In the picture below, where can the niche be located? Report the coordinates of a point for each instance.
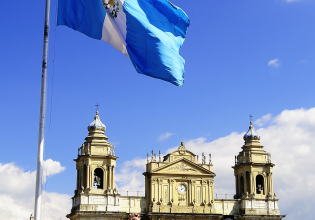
(98, 178)
(259, 184)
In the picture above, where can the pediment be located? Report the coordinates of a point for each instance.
(182, 165)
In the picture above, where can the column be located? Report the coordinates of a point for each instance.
(245, 182)
(152, 190)
(113, 177)
(268, 183)
(105, 178)
(109, 177)
(251, 183)
(271, 183)
(169, 190)
(236, 185)
(212, 191)
(239, 185)
(81, 176)
(209, 190)
(88, 177)
(78, 182)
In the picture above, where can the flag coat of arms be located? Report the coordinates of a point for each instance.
(149, 32)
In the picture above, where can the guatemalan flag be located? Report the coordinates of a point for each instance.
(149, 32)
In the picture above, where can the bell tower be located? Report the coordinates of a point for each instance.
(253, 172)
(95, 186)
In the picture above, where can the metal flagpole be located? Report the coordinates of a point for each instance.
(38, 190)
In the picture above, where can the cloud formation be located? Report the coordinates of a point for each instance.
(129, 176)
(274, 63)
(17, 193)
(289, 137)
(263, 120)
(163, 137)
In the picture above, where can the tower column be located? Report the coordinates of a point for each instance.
(88, 177)
(250, 183)
(245, 182)
(271, 183)
(109, 177)
(236, 184)
(113, 177)
(104, 177)
(268, 184)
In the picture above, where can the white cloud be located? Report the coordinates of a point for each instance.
(263, 120)
(274, 63)
(289, 138)
(17, 192)
(51, 168)
(129, 176)
(163, 137)
(303, 61)
(292, 0)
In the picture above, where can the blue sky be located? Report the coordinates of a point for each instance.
(242, 57)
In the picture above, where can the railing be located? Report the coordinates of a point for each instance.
(132, 193)
(224, 196)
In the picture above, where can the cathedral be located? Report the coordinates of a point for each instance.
(177, 186)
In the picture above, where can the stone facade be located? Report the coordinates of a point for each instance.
(177, 186)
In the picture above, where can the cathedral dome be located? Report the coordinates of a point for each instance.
(251, 133)
(97, 124)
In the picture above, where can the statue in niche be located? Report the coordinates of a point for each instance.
(97, 182)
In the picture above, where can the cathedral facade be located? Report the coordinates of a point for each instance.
(177, 186)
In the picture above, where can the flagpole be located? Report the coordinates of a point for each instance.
(38, 190)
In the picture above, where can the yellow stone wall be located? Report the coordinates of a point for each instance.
(132, 204)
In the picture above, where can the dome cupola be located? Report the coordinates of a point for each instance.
(251, 133)
(96, 124)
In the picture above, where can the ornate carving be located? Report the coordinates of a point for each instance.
(182, 148)
(153, 179)
(210, 182)
(171, 180)
(181, 198)
(181, 167)
(160, 202)
(160, 180)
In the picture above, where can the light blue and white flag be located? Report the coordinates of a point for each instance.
(149, 32)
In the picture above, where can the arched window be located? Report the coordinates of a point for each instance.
(242, 185)
(259, 184)
(248, 186)
(98, 178)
